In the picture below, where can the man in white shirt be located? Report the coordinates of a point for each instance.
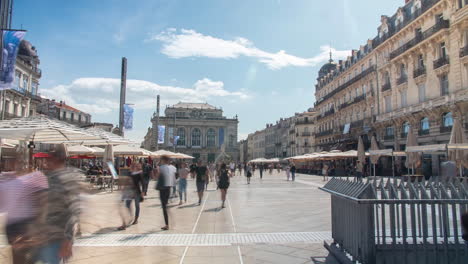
(166, 179)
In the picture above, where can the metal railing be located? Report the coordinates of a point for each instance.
(423, 132)
(327, 113)
(306, 134)
(389, 220)
(402, 80)
(389, 137)
(386, 87)
(445, 129)
(441, 24)
(463, 51)
(324, 133)
(419, 71)
(441, 62)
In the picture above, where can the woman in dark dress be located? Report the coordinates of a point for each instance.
(223, 182)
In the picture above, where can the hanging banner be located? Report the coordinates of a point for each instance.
(221, 136)
(128, 117)
(161, 134)
(11, 42)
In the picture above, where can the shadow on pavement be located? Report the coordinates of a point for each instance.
(188, 206)
(212, 210)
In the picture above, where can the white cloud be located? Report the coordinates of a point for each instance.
(101, 95)
(189, 43)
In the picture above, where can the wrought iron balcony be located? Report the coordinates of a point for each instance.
(419, 71)
(441, 24)
(324, 133)
(445, 129)
(357, 124)
(304, 122)
(346, 84)
(403, 135)
(402, 80)
(423, 132)
(426, 5)
(389, 137)
(441, 62)
(327, 113)
(306, 134)
(386, 86)
(464, 51)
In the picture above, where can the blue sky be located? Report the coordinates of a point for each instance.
(255, 59)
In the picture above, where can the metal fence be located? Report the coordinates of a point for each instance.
(388, 220)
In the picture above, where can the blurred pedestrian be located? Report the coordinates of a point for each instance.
(249, 173)
(147, 171)
(63, 210)
(128, 195)
(183, 175)
(202, 177)
(23, 197)
(223, 182)
(166, 179)
(287, 169)
(293, 171)
(261, 168)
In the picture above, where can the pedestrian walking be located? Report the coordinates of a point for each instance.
(166, 179)
(128, 195)
(223, 182)
(136, 174)
(261, 168)
(270, 168)
(325, 172)
(293, 172)
(287, 169)
(249, 173)
(23, 198)
(202, 177)
(239, 167)
(147, 171)
(183, 175)
(62, 210)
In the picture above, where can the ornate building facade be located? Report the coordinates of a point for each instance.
(196, 129)
(412, 75)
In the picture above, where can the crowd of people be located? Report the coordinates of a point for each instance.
(43, 207)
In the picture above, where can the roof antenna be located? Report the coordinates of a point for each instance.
(331, 60)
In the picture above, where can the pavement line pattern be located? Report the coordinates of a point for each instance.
(235, 231)
(194, 228)
(189, 240)
(310, 183)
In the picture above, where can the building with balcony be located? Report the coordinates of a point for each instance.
(412, 75)
(64, 112)
(305, 132)
(23, 99)
(196, 129)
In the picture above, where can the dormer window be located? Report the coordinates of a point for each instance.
(416, 6)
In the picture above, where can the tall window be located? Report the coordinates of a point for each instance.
(25, 82)
(34, 86)
(443, 50)
(181, 135)
(64, 115)
(422, 92)
(402, 70)
(444, 85)
(72, 117)
(425, 124)
(403, 95)
(17, 79)
(405, 128)
(196, 137)
(211, 137)
(389, 132)
(387, 78)
(420, 61)
(447, 119)
(388, 104)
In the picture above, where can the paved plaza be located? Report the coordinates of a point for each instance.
(268, 221)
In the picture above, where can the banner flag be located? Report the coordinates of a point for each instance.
(128, 117)
(161, 134)
(221, 136)
(11, 42)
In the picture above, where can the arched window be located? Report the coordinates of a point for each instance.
(211, 137)
(447, 119)
(181, 135)
(196, 137)
(425, 124)
(405, 128)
